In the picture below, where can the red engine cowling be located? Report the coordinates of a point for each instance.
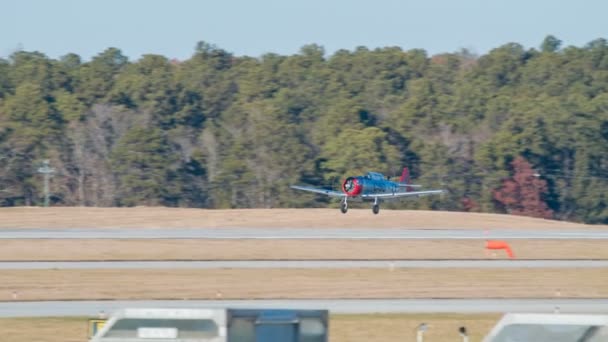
(352, 186)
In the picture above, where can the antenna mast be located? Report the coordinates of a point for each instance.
(46, 171)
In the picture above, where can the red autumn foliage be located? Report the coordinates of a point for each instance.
(522, 193)
(468, 204)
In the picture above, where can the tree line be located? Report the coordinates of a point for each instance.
(515, 130)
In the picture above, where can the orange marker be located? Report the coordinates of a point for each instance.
(497, 244)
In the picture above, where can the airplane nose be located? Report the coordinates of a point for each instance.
(351, 186)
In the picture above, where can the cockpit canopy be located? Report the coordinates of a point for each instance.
(375, 175)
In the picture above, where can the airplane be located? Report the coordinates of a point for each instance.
(373, 186)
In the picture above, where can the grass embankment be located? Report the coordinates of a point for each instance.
(161, 217)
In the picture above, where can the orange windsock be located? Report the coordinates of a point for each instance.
(497, 244)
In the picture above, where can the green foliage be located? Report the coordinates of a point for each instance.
(31, 67)
(142, 163)
(5, 83)
(96, 78)
(550, 44)
(69, 106)
(222, 131)
(30, 113)
(353, 151)
(147, 83)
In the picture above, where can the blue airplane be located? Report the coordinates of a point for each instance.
(373, 186)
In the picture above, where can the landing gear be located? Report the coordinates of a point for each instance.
(344, 206)
(376, 209)
(376, 206)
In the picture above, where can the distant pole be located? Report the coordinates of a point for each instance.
(46, 171)
(420, 332)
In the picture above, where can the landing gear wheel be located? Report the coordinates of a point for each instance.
(376, 209)
(344, 207)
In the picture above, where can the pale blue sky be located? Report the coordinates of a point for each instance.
(172, 28)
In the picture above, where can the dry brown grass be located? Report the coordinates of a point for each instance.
(64, 329)
(342, 328)
(402, 327)
(83, 217)
(290, 249)
(302, 283)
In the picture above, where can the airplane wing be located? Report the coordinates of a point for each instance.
(327, 192)
(390, 195)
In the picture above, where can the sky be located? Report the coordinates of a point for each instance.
(254, 27)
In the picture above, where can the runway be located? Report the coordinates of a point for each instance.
(300, 234)
(351, 306)
(336, 306)
(308, 264)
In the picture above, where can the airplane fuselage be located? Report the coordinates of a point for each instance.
(371, 183)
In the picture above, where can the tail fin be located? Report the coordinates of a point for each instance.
(405, 176)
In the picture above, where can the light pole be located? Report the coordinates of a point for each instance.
(46, 171)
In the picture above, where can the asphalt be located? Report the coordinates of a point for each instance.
(311, 264)
(336, 306)
(301, 234)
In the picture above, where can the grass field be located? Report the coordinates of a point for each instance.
(302, 283)
(70, 249)
(342, 328)
(401, 327)
(86, 217)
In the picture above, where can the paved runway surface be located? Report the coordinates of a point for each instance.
(92, 308)
(312, 264)
(284, 233)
